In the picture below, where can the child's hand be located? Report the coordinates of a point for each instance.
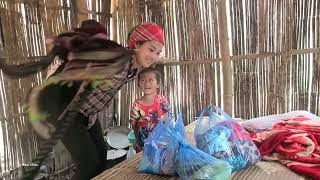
(164, 107)
(166, 118)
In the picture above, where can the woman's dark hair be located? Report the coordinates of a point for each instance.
(91, 27)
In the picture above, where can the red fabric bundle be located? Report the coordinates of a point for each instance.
(294, 143)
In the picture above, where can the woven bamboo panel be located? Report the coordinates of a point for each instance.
(25, 27)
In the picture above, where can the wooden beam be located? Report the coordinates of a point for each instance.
(304, 51)
(175, 61)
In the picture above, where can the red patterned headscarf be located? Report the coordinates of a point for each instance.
(146, 32)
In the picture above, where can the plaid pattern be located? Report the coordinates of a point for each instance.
(101, 96)
(146, 32)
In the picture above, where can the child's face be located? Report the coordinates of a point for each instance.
(148, 83)
(148, 53)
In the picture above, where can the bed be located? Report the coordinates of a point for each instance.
(263, 170)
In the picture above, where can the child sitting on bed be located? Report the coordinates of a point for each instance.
(148, 110)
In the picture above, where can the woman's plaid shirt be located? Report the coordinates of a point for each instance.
(99, 98)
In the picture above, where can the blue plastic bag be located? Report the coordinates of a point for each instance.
(160, 148)
(166, 152)
(179, 126)
(223, 138)
(192, 163)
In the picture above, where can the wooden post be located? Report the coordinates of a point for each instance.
(113, 12)
(113, 36)
(48, 20)
(106, 14)
(82, 11)
(225, 56)
(94, 10)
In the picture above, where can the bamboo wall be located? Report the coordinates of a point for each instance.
(25, 27)
(274, 48)
(285, 75)
(189, 37)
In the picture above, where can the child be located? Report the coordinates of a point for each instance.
(147, 110)
(87, 56)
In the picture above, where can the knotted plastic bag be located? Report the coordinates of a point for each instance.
(224, 138)
(166, 152)
(160, 148)
(192, 163)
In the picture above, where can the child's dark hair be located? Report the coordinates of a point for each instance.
(153, 70)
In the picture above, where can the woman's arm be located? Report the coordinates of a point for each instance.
(134, 115)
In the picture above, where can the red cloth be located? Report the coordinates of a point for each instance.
(146, 32)
(299, 122)
(294, 143)
(272, 142)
